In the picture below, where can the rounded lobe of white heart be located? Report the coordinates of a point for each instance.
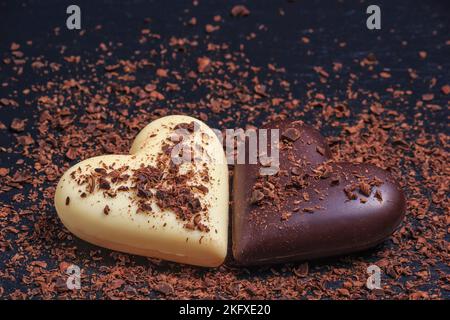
(158, 234)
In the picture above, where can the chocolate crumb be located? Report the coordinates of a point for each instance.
(296, 171)
(285, 216)
(320, 150)
(256, 196)
(240, 11)
(365, 188)
(104, 184)
(378, 195)
(101, 171)
(335, 179)
(306, 196)
(164, 288)
(18, 125)
(350, 194)
(291, 134)
(190, 127)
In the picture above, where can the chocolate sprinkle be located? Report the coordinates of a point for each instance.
(365, 188)
(256, 196)
(291, 134)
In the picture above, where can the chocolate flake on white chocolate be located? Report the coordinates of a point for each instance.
(163, 184)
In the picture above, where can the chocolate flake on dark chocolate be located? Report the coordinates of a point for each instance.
(349, 192)
(378, 195)
(257, 196)
(335, 179)
(365, 188)
(296, 171)
(291, 134)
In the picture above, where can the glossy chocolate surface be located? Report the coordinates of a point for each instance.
(321, 208)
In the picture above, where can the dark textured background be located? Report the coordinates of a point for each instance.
(407, 28)
(412, 22)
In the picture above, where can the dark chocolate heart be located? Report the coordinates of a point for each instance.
(313, 207)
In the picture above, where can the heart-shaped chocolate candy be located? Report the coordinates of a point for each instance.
(147, 204)
(313, 207)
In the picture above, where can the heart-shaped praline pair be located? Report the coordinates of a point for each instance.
(145, 204)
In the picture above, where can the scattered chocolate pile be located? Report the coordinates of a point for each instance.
(63, 103)
(161, 183)
(269, 191)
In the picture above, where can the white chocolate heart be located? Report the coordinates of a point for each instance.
(98, 199)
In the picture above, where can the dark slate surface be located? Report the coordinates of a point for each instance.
(423, 25)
